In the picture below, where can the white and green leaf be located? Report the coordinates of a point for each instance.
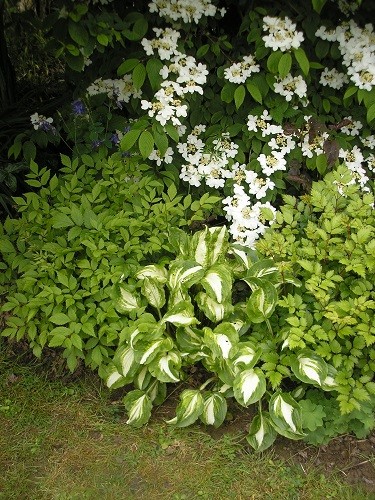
(217, 282)
(184, 274)
(249, 386)
(153, 271)
(309, 367)
(218, 243)
(189, 408)
(154, 292)
(125, 361)
(212, 309)
(113, 378)
(261, 433)
(166, 367)
(125, 298)
(248, 354)
(139, 406)
(214, 409)
(286, 415)
(262, 302)
(182, 314)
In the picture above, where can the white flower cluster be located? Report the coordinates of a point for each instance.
(121, 90)
(40, 122)
(168, 104)
(333, 78)
(291, 85)
(240, 72)
(187, 11)
(357, 47)
(166, 158)
(208, 164)
(282, 34)
(165, 43)
(354, 159)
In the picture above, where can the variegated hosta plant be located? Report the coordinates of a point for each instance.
(199, 311)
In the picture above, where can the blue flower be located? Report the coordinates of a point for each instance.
(78, 107)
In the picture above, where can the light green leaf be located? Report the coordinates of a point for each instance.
(254, 92)
(146, 143)
(239, 95)
(60, 319)
(127, 66)
(302, 60)
(284, 65)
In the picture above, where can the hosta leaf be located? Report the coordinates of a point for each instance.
(217, 282)
(125, 361)
(125, 298)
(139, 406)
(329, 383)
(153, 271)
(179, 241)
(243, 255)
(189, 408)
(184, 273)
(264, 268)
(286, 416)
(262, 302)
(309, 367)
(142, 379)
(213, 310)
(247, 355)
(189, 340)
(249, 386)
(176, 296)
(166, 367)
(261, 433)
(214, 409)
(154, 292)
(199, 247)
(222, 341)
(182, 314)
(218, 243)
(157, 391)
(113, 378)
(152, 349)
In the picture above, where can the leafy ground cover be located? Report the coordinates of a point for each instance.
(67, 439)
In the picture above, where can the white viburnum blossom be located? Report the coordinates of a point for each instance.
(241, 71)
(271, 163)
(165, 44)
(187, 11)
(282, 34)
(352, 127)
(290, 86)
(167, 158)
(120, 90)
(333, 78)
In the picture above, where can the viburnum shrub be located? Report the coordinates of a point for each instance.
(229, 110)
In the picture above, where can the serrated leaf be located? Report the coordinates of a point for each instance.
(60, 319)
(189, 408)
(249, 386)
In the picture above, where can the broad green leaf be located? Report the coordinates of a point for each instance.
(78, 33)
(129, 139)
(214, 409)
(286, 415)
(153, 271)
(138, 77)
(264, 268)
(371, 113)
(239, 96)
(60, 319)
(125, 298)
(302, 60)
(146, 143)
(60, 220)
(217, 282)
(284, 64)
(184, 273)
(218, 243)
(318, 5)
(179, 241)
(199, 247)
(6, 246)
(309, 367)
(329, 383)
(127, 66)
(139, 406)
(254, 92)
(153, 68)
(273, 61)
(189, 408)
(261, 433)
(154, 292)
(249, 386)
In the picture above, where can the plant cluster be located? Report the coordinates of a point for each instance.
(272, 306)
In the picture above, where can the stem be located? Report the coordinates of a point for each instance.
(205, 384)
(269, 326)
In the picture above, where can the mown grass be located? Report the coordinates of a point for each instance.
(66, 441)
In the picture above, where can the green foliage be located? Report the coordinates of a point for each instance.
(75, 236)
(327, 239)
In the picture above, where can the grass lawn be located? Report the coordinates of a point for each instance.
(65, 440)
